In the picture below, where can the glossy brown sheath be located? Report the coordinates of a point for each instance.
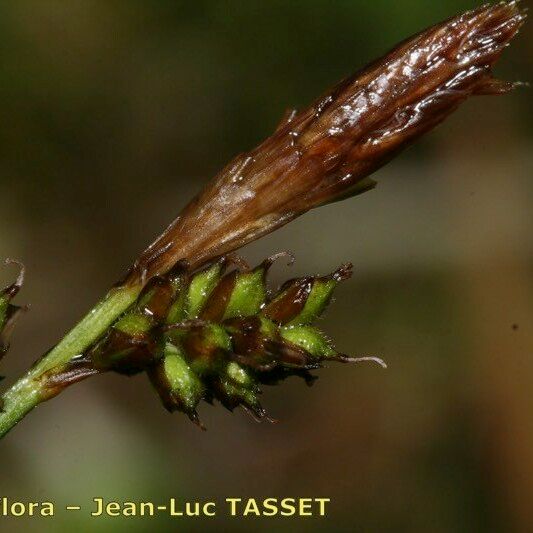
(324, 153)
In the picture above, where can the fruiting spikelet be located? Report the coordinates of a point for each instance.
(217, 334)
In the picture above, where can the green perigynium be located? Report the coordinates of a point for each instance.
(218, 334)
(178, 386)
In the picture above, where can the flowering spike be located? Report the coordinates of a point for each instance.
(231, 340)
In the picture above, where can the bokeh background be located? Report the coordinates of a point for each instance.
(113, 113)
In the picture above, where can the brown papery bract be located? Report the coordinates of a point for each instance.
(324, 153)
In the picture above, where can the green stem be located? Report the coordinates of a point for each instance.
(26, 393)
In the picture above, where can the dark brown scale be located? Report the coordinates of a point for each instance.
(256, 350)
(246, 335)
(75, 370)
(250, 346)
(157, 298)
(203, 356)
(291, 355)
(284, 307)
(218, 300)
(124, 353)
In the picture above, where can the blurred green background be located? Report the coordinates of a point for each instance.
(113, 113)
